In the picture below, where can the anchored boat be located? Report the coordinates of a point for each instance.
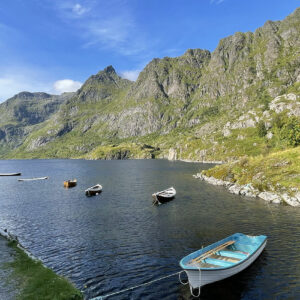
(94, 190)
(33, 179)
(10, 174)
(222, 259)
(164, 196)
(70, 183)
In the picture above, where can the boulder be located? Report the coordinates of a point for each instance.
(235, 189)
(269, 197)
(293, 201)
(172, 154)
(286, 102)
(249, 191)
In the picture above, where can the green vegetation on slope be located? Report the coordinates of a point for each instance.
(279, 171)
(201, 105)
(38, 282)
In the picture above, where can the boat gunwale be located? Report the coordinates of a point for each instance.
(33, 179)
(167, 193)
(11, 174)
(95, 188)
(194, 268)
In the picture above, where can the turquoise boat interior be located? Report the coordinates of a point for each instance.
(225, 253)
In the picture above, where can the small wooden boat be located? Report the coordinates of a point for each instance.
(33, 179)
(222, 259)
(164, 196)
(10, 174)
(70, 183)
(94, 190)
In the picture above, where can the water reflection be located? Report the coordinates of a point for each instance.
(119, 239)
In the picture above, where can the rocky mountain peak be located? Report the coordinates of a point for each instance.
(102, 85)
(195, 93)
(109, 70)
(171, 77)
(30, 96)
(197, 53)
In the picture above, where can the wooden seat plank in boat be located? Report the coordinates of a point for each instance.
(212, 251)
(219, 262)
(234, 253)
(230, 259)
(206, 265)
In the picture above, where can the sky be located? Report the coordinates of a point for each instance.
(55, 45)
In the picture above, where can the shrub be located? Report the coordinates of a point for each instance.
(261, 128)
(210, 111)
(279, 120)
(290, 132)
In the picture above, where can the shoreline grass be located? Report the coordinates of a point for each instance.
(278, 171)
(38, 282)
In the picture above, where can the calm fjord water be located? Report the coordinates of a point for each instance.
(118, 239)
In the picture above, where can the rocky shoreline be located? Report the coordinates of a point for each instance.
(249, 191)
(216, 162)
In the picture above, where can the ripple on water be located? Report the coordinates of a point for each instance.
(119, 239)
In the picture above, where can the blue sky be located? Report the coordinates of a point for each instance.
(55, 45)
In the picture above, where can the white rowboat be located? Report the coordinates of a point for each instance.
(94, 190)
(10, 174)
(222, 259)
(164, 196)
(33, 179)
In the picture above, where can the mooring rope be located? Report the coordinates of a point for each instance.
(199, 288)
(134, 287)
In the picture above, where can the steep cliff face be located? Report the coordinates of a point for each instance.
(171, 77)
(198, 104)
(29, 108)
(21, 115)
(102, 86)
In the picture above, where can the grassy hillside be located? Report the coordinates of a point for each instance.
(279, 171)
(242, 99)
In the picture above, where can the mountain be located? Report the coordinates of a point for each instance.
(203, 105)
(25, 113)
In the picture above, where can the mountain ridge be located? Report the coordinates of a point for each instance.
(180, 105)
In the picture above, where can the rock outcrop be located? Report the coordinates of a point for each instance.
(249, 191)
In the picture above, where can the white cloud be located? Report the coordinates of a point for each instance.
(9, 86)
(66, 85)
(79, 10)
(104, 24)
(131, 74)
(16, 79)
(12, 84)
(71, 9)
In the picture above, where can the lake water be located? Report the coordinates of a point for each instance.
(119, 239)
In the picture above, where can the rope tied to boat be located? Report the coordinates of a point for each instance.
(199, 288)
(134, 287)
(180, 280)
(188, 282)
